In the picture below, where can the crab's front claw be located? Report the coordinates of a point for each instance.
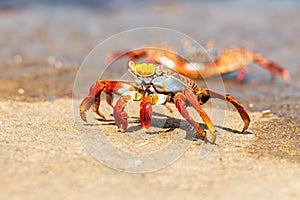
(145, 116)
(121, 119)
(146, 109)
(119, 114)
(85, 105)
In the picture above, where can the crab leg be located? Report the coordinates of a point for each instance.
(237, 59)
(271, 66)
(229, 60)
(109, 87)
(205, 94)
(180, 103)
(119, 114)
(146, 107)
(131, 54)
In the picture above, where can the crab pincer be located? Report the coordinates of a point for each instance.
(146, 112)
(119, 114)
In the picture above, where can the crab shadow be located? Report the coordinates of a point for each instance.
(166, 123)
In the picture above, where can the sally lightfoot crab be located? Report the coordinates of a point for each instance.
(193, 62)
(157, 85)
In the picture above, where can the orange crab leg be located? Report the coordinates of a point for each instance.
(109, 87)
(242, 73)
(271, 66)
(205, 94)
(191, 97)
(180, 103)
(237, 59)
(131, 54)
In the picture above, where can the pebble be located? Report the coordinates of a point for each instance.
(267, 113)
(142, 144)
(21, 91)
(18, 58)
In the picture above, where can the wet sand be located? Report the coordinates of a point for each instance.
(42, 153)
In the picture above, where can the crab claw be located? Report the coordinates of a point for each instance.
(145, 116)
(85, 105)
(146, 110)
(119, 114)
(121, 120)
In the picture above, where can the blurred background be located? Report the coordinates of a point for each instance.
(43, 43)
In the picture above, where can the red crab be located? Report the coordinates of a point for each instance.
(193, 62)
(154, 84)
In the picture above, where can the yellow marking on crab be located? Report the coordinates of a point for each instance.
(138, 96)
(144, 69)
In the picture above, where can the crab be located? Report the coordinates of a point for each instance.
(193, 62)
(155, 84)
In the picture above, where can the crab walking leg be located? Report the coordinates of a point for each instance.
(180, 104)
(109, 87)
(242, 73)
(237, 58)
(119, 114)
(95, 108)
(273, 68)
(146, 107)
(109, 98)
(191, 97)
(132, 54)
(205, 94)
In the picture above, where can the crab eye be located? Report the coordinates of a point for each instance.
(131, 64)
(160, 69)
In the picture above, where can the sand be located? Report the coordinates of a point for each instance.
(42, 156)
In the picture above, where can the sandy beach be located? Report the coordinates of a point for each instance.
(44, 149)
(42, 156)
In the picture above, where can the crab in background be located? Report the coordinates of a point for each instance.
(155, 84)
(195, 62)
